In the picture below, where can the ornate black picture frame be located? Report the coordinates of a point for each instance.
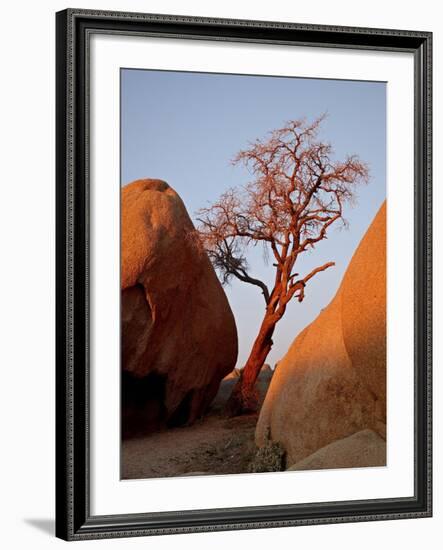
(73, 517)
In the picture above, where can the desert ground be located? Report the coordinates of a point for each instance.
(214, 444)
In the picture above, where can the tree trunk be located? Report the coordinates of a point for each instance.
(244, 397)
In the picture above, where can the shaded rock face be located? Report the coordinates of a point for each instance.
(332, 381)
(228, 383)
(362, 449)
(233, 375)
(178, 334)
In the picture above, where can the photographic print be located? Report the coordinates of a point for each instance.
(253, 274)
(244, 274)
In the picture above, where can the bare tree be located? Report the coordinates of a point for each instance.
(296, 194)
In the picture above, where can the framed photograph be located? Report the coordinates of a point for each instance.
(243, 274)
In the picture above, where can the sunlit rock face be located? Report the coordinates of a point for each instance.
(178, 334)
(332, 381)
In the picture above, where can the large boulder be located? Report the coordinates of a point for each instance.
(178, 337)
(332, 381)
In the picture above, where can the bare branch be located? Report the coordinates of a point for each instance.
(297, 192)
(243, 276)
(300, 284)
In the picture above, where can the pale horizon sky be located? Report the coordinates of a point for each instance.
(185, 128)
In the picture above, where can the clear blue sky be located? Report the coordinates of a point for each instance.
(185, 127)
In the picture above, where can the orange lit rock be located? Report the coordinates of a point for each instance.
(332, 381)
(178, 332)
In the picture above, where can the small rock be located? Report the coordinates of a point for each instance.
(360, 450)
